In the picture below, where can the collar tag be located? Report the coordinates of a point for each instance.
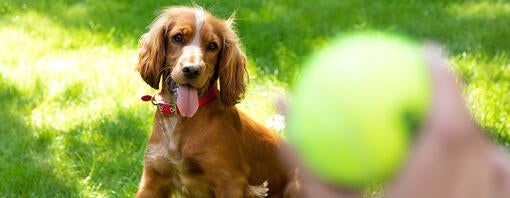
(163, 107)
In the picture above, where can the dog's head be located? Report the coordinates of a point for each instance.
(192, 48)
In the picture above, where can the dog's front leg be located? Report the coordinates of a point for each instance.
(154, 185)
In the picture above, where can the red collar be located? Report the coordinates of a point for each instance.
(171, 108)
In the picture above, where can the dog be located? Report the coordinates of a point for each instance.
(201, 145)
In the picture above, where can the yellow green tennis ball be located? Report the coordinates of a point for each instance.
(357, 105)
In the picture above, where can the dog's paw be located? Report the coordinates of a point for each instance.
(259, 191)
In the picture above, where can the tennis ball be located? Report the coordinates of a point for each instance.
(357, 105)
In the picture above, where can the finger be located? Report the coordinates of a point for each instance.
(448, 113)
(281, 106)
(501, 161)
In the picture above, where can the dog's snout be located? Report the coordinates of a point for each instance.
(191, 71)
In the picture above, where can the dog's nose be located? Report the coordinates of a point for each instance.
(191, 71)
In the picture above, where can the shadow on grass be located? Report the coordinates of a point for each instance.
(26, 170)
(109, 151)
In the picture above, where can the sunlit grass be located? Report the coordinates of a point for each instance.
(261, 99)
(487, 91)
(480, 9)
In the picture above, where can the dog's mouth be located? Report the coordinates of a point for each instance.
(187, 100)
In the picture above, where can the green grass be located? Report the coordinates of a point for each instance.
(71, 123)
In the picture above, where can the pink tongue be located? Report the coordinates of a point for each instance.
(187, 101)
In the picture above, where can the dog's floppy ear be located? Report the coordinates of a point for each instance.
(152, 52)
(232, 68)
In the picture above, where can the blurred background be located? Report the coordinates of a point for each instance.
(72, 123)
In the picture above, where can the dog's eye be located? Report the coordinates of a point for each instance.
(178, 38)
(212, 46)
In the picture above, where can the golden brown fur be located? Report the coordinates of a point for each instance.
(219, 151)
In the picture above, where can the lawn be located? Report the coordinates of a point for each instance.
(72, 124)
